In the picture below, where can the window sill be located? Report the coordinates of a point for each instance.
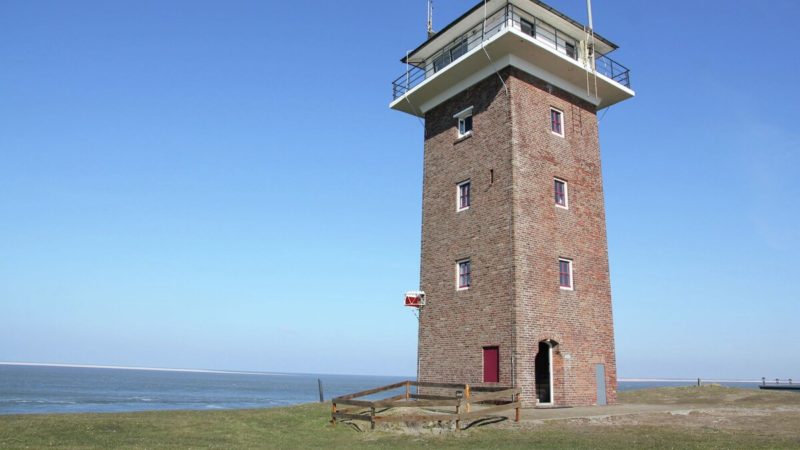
(463, 138)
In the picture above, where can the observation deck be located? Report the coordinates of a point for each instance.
(526, 34)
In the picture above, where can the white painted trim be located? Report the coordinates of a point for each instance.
(555, 80)
(461, 118)
(464, 84)
(500, 62)
(563, 125)
(458, 274)
(566, 192)
(464, 113)
(458, 195)
(550, 366)
(577, 63)
(488, 69)
(550, 369)
(571, 277)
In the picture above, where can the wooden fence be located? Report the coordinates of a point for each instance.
(469, 402)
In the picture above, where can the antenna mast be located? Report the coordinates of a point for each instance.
(589, 56)
(589, 8)
(430, 18)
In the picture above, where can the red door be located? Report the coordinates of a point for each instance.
(491, 364)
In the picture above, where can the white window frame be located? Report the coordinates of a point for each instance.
(563, 125)
(571, 276)
(566, 193)
(460, 208)
(461, 117)
(458, 274)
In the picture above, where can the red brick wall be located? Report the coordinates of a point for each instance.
(456, 325)
(514, 235)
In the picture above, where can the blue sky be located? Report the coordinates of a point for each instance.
(221, 185)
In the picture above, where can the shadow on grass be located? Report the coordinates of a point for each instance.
(486, 421)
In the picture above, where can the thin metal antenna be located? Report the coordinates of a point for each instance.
(589, 8)
(430, 19)
(590, 56)
(483, 45)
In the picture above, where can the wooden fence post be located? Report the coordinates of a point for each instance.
(516, 414)
(466, 396)
(372, 418)
(458, 421)
(408, 390)
(333, 414)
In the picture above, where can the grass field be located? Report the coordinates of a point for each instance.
(707, 417)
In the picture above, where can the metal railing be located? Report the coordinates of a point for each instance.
(419, 72)
(506, 17)
(612, 69)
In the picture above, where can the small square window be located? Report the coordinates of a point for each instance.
(459, 50)
(465, 126)
(557, 122)
(561, 193)
(527, 27)
(441, 61)
(565, 274)
(464, 122)
(463, 196)
(464, 274)
(570, 48)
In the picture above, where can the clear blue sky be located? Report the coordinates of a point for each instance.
(222, 185)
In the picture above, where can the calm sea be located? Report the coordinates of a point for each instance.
(45, 389)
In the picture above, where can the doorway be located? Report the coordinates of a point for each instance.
(491, 364)
(543, 365)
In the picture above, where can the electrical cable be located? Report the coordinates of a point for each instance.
(483, 46)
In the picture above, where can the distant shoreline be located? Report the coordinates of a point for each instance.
(241, 372)
(685, 380)
(152, 369)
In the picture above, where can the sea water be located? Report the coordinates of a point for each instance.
(49, 389)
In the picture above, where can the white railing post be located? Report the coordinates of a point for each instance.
(408, 74)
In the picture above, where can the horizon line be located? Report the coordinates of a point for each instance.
(687, 380)
(168, 369)
(152, 369)
(244, 372)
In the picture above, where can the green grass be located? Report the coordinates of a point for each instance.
(765, 420)
(714, 395)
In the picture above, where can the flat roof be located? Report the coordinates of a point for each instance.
(480, 4)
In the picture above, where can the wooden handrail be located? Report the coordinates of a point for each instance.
(370, 391)
(497, 395)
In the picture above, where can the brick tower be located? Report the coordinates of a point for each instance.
(514, 252)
